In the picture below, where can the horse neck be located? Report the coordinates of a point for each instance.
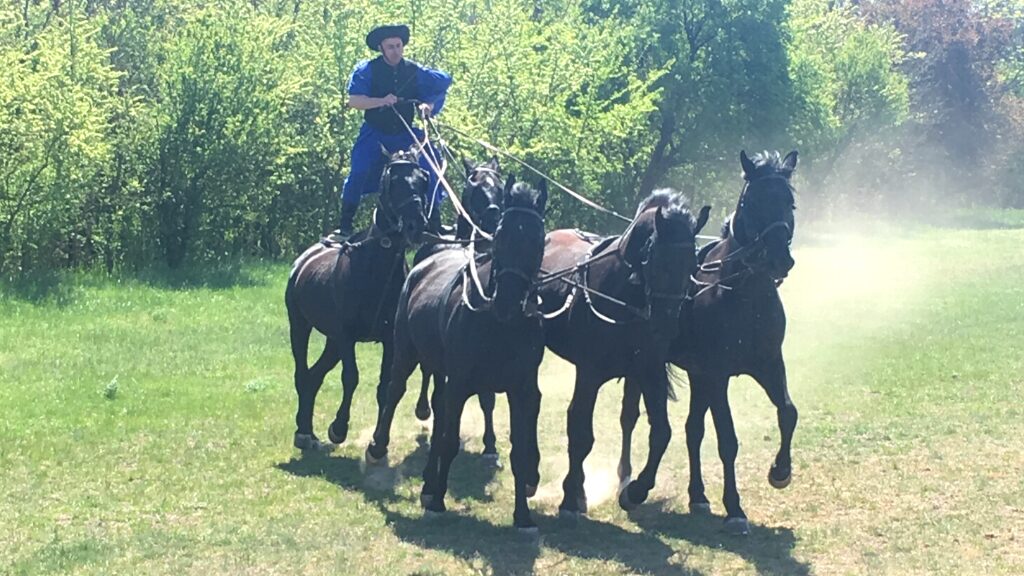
(734, 273)
(463, 230)
(611, 274)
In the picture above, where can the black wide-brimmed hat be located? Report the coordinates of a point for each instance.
(378, 34)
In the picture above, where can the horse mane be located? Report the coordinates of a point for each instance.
(768, 164)
(522, 195)
(673, 204)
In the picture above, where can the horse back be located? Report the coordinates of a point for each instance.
(310, 288)
(576, 335)
(424, 305)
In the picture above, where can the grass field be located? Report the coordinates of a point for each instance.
(146, 426)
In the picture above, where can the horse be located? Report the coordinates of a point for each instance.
(483, 198)
(733, 324)
(478, 337)
(615, 318)
(349, 293)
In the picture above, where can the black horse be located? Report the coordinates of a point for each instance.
(734, 324)
(483, 198)
(349, 292)
(470, 322)
(645, 271)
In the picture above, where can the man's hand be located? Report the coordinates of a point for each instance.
(389, 100)
(426, 109)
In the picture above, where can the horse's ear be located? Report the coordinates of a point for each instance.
(789, 162)
(702, 219)
(509, 183)
(385, 152)
(468, 165)
(748, 166)
(542, 198)
(493, 163)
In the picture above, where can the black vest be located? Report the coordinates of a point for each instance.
(400, 81)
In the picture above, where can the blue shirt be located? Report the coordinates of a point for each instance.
(431, 84)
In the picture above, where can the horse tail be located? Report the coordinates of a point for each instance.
(675, 380)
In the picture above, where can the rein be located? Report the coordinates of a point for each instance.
(471, 272)
(536, 171)
(442, 181)
(741, 254)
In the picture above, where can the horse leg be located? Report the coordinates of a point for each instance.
(486, 400)
(422, 405)
(627, 421)
(402, 363)
(655, 393)
(386, 360)
(580, 431)
(436, 439)
(454, 402)
(728, 448)
(308, 380)
(524, 407)
(773, 379)
(694, 439)
(338, 430)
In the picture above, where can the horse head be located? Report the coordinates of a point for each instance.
(403, 186)
(483, 197)
(518, 248)
(763, 223)
(660, 248)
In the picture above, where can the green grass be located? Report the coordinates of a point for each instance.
(146, 424)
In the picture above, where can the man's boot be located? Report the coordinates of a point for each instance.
(348, 215)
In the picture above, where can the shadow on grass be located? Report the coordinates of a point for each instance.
(470, 473)
(506, 551)
(769, 550)
(38, 287)
(215, 275)
(60, 287)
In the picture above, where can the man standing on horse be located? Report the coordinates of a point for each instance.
(385, 89)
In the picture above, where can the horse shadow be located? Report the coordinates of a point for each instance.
(768, 549)
(508, 552)
(471, 473)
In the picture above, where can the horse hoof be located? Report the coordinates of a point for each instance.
(581, 504)
(737, 526)
(306, 441)
(531, 490)
(337, 438)
(702, 508)
(777, 483)
(422, 413)
(569, 515)
(428, 513)
(371, 458)
(628, 500)
(624, 502)
(426, 500)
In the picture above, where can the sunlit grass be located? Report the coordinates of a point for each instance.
(146, 428)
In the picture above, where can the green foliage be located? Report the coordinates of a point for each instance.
(55, 92)
(173, 131)
(845, 71)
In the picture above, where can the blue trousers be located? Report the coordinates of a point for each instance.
(368, 164)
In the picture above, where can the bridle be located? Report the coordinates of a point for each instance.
(471, 273)
(391, 213)
(749, 253)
